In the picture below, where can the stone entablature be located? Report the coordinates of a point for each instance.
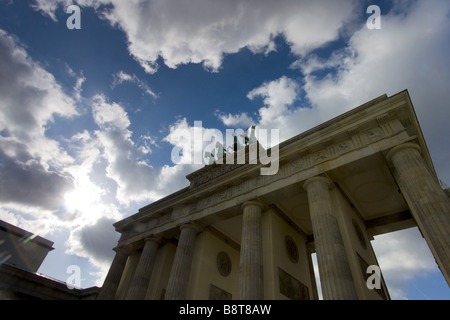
(373, 127)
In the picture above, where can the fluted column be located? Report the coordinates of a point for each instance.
(335, 274)
(112, 280)
(251, 277)
(429, 204)
(141, 278)
(181, 267)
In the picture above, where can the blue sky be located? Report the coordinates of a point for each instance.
(89, 117)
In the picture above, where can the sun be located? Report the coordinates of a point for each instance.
(81, 199)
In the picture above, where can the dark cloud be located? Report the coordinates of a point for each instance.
(16, 96)
(11, 69)
(99, 239)
(25, 181)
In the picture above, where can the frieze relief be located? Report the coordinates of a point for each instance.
(152, 223)
(207, 202)
(344, 146)
(357, 139)
(211, 172)
(320, 156)
(374, 134)
(165, 218)
(298, 164)
(193, 207)
(177, 212)
(239, 189)
(216, 293)
(291, 287)
(222, 195)
(355, 136)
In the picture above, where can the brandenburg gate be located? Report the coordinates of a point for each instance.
(237, 234)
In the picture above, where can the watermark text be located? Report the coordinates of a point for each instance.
(74, 21)
(374, 21)
(207, 146)
(374, 280)
(74, 280)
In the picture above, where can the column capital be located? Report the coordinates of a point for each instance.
(155, 238)
(398, 148)
(252, 203)
(191, 225)
(126, 250)
(319, 179)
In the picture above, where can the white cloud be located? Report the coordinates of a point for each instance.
(77, 88)
(49, 7)
(121, 77)
(277, 96)
(30, 96)
(124, 166)
(203, 31)
(280, 110)
(180, 136)
(146, 144)
(109, 114)
(402, 256)
(30, 218)
(242, 120)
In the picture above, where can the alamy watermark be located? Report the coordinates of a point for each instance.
(374, 280)
(74, 280)
(374, 21)
(74, 21)
(208, 146)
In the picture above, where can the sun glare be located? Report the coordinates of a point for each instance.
(81, 199)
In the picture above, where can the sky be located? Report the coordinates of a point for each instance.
(90, 116)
